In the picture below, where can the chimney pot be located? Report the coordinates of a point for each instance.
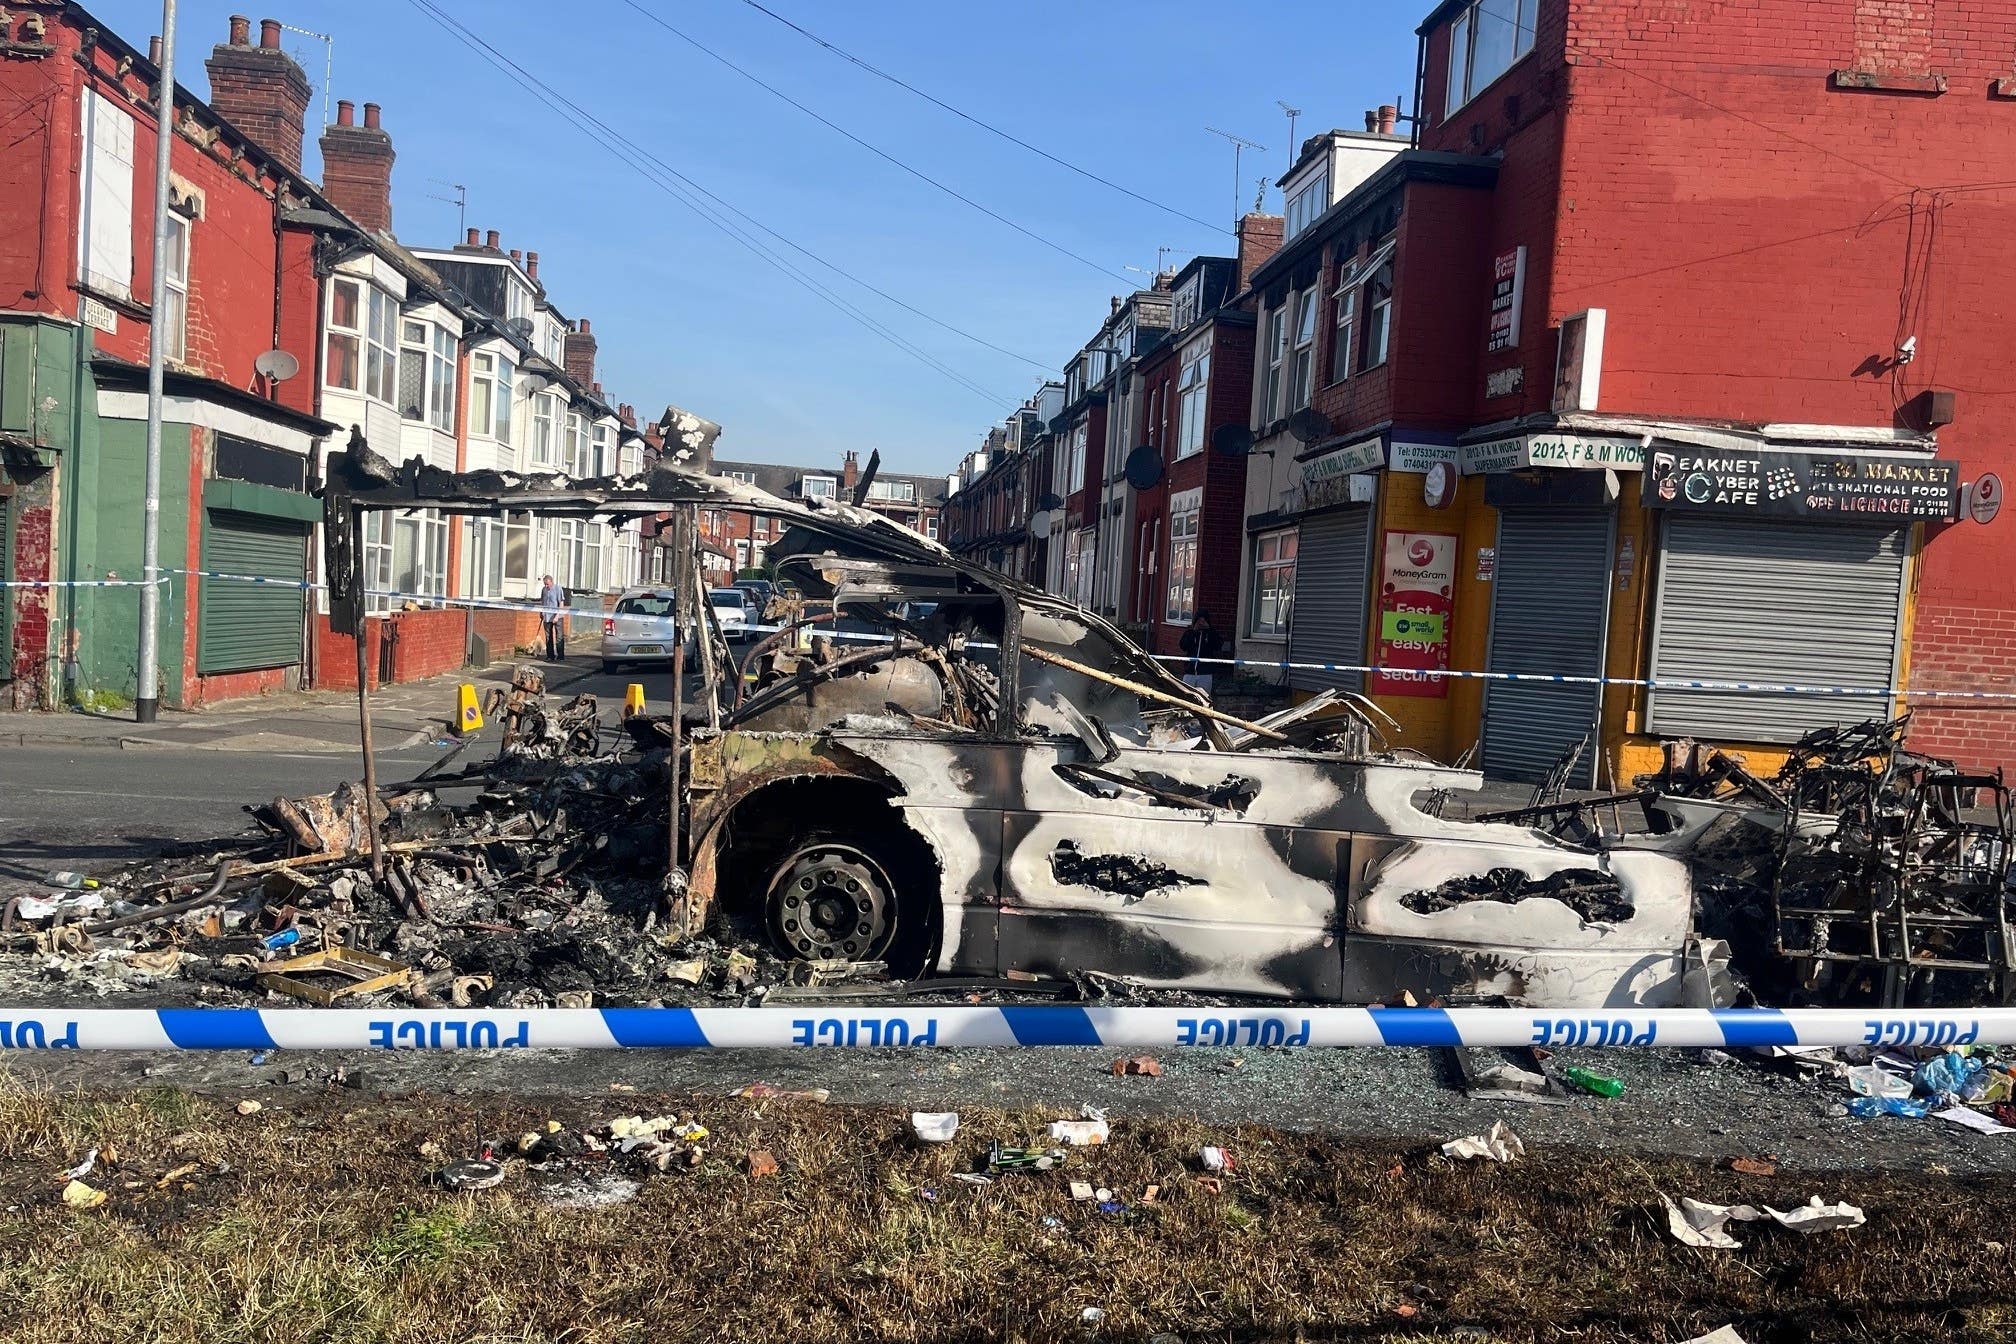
(269, 34)
(1371, 120)
(532, 264)
(1389, 116)
(346, 112)
(154, 51)
(471, 239)
(516, 255)
(241, 30)
(584, 326)
(491, 240)
(371, 116)
(261, 90)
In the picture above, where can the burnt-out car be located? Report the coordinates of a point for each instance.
(983, 778)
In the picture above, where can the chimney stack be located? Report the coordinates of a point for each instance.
(357, 167)
(578, 354)
(1389, 117)
(1259, 239)
(850, 473)
(517, 257)
(260, 90)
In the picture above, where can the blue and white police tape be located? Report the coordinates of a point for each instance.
(1863, 691)
(81, 583)
(861, 1027)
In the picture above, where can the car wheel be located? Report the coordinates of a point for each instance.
(837, 897)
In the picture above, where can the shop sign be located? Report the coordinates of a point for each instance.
(1508, 296)
(1326, 478)
(1417, 587)
(1984, 498)
(1803, 485)
(1575, 451)
(1418, 459)
(1487, 563)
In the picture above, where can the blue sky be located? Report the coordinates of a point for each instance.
(683, 314)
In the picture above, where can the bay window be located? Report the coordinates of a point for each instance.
(482, 381)
(542, 431)
(362, 350)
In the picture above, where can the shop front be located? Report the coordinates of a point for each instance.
(1334, 511)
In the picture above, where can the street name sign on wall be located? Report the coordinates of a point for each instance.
(1803, 485)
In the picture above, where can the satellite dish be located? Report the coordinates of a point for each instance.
(1049, 502)
(1144, 467)
(1309, 424)
(1039, 524)
(520, 325)
(277, 365)
(1234, 440)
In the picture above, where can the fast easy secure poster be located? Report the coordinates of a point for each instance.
(1417, 590)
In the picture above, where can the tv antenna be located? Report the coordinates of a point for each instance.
(460, 200)
(328, 63)
(1240, 144)
(1293, 112)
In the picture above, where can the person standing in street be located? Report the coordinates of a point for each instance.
(553, 615)
(1205, 646)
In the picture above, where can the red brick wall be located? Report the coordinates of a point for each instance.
(423, 644)
(1221, 539)
(1156, 377)
(1081, 507)
(1442, 283)
(30, 654)
(508, 631)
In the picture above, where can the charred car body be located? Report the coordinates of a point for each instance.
(998, 782)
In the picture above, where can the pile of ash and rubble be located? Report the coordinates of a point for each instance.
(532, 879)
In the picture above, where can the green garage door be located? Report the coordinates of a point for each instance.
(243, 625)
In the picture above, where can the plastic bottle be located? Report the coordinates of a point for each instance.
(1592, 1082)
(284, 938)
(1866, 1080)
(1866, 1107)
(68, 880)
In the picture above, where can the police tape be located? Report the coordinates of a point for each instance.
(859, 1027)
(1210, 664)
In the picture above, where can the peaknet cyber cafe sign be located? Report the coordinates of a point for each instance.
(1804, 485)
(1580, 452)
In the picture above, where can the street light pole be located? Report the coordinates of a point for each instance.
(147, 701)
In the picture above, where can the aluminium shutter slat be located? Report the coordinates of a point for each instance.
(242, 626)
(1549, 604)
(1773, 601)
(1326, 623)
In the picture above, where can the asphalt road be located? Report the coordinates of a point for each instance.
(75, 806)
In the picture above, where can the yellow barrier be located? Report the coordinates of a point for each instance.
(468, 717)
(633, 699)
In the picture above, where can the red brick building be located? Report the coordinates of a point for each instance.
(738, 541)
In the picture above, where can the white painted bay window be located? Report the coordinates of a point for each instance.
(362, 352)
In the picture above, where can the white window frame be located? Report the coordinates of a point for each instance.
(502, 412)
(483, 394)
(819, 487)
(1074, 474)
(175, 282)
(1193, 383)
(1180, 596)
(441, 381)
(1276, 355)
(1379, 318)
(542, 446)
(106, 182)
(1307, 205)
(600, 461)
(1302, 350)
(1273, 583)
(374, 339)
(1464, 76)
(931, 527)
(1344, 330)
(1187, 298)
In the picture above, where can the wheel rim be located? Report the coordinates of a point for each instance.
(831, 901)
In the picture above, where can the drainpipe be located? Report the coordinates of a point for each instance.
(1420, 85)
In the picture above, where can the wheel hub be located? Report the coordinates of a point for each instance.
(831, 901)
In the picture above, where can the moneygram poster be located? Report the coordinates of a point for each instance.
(1417, 587)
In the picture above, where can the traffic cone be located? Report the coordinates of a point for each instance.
(633, 699)
(468, 718)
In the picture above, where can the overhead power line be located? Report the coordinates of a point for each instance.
(879, 152)
(644, 163)
(987, 126)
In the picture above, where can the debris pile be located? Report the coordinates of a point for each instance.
(1869, 873)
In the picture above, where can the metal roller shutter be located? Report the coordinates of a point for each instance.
(242, 625)
(1813, 604)
(1550, 604)
(1327, 622)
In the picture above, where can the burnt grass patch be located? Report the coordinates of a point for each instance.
(317, 1218)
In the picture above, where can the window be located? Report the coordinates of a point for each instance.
(362, 353)
(818, 487)
(105, 182)
(1308, 202)
(482, 379)
(741, 556)
(1379, 322)
(1078, 567)
(746, 477)
(1347, 320)
(1074, 462)
(1303, 356)
(893, 491)
(518, 547)
(1186, 303)
(573, 448)
(542, 431)
(175, 294)
(1193, 384)
(413, 348)
(441, 382)
(1277, 352)
(931, 527)
(600, 460)
(503, 400)
(1273, 582)
(578, 562)
(419, 557)
(1181, 600)
(1484, 42)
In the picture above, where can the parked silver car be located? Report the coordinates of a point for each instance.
(733, 611)
(639, 629)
